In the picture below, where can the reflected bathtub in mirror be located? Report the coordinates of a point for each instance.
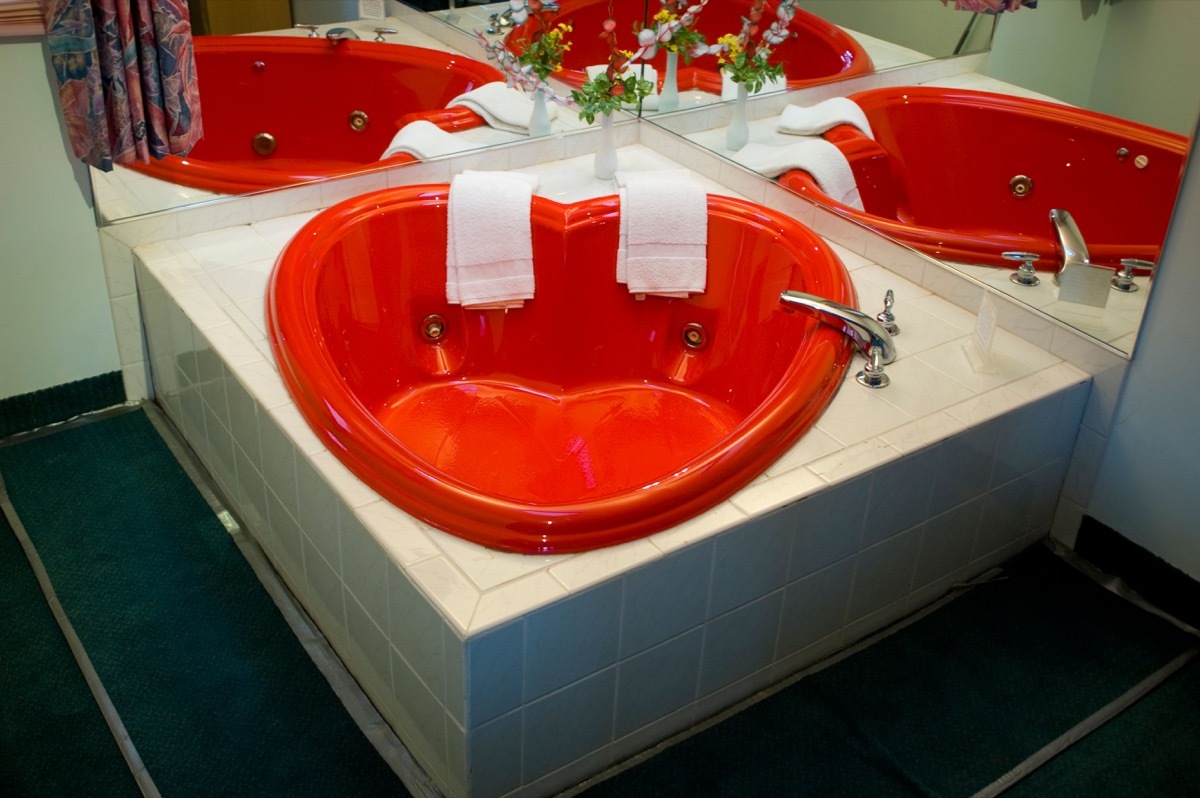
(965, 176)
(586, 418)
(283, 110)
(816, 51)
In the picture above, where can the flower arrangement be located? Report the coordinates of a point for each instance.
(544, 54)
(746, 59)
(673, 27)
(541, 58)
(609, 91)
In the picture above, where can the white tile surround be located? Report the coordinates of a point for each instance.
(481, 660)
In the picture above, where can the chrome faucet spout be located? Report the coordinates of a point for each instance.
(864, 330)
(1069, 239)
(336, 35)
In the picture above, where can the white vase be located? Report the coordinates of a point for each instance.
(606, 152)
(668, 98)
(739, 130)
(539, 120)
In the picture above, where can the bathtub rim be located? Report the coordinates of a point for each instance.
(363, 445)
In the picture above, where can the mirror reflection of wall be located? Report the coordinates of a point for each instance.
(321, 12)
(231, 17)
(922, 25)
(1136, 59)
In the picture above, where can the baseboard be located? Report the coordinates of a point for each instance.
(1155, 579)
(59, 403)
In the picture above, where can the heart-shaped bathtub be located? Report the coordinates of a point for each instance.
(584, 419)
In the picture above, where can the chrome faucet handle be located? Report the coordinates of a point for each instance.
(886, 317)
(312, 29)
(1025, 274)
(379, 32)
(1123, 280)
(872, 374)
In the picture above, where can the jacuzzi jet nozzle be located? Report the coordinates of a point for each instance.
(433, 327)
(694, 335)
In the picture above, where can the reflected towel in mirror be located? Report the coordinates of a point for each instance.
(825, 162)
(816, 119)
(423, 139)
(501, 107)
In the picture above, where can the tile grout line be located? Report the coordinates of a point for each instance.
(111, 717)
(366, 717)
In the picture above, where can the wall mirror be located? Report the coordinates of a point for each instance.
(276, 107)
(927, 32)
(1130, 59)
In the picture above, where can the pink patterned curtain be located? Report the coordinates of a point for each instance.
(990, 6)
(126, 78)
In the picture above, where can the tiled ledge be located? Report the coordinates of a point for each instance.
(468, 652)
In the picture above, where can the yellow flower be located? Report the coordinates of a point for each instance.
(732, 44)
(664, 16)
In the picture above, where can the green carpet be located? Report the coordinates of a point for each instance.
(217, 694)
(940, 708)
(53, 739)
(49, 405)
(1149, 750)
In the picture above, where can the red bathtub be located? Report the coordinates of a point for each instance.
(943, 175)
(581, 420)
(817, 52)
(280, 110)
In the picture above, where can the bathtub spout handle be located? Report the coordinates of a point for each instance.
(336, 35)
(863, 330)
(379, 32)
(872, 375)
(1070, 241)
(886, 317)
(312, 29)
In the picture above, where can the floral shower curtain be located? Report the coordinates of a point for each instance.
(990, 6)
(126, 76)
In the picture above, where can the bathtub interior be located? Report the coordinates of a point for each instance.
(951, 195)
(586, 403)
(816, 50)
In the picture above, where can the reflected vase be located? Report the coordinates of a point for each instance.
(605, 164)
(539, 119)
(739, 129)
(668, 98)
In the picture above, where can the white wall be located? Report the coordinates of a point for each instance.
(1147, 484)
(1150, 64)
(319, 12)
(55, 323)
(921, 25)
(1052, 49)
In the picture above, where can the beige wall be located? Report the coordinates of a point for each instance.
(55, 323)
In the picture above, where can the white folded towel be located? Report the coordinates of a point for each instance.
(816, 119)
(489, 241)
(501, 107)
(825, 162)
(729, 88)
(662, 235)
(425, 140)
